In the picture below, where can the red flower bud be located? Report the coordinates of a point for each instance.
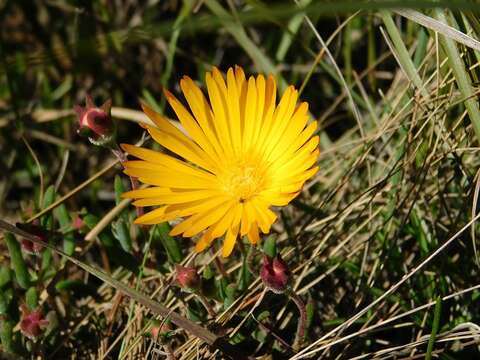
(32, 323)
(31, 247)
(159, 328)
(188, 278)
(275, 274)
(96, 122)
(77, 222)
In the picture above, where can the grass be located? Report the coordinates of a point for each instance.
(381, 243)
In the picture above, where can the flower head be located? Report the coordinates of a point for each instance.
(32, 322)
(275, 274)
(187, 277)
(96, 122)
(241, 154)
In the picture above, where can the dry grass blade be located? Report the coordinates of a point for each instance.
(73, 192)
(440, 27)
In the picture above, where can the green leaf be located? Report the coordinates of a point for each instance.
(119, 189)
(245, 275)
(436, 323)
(48, 199)
(18, 263)
(230, 295)
(169, 243)
(5, 275)
(31, 298)
(122, 234)
(65, 221)
(6, 334)
(270, 246)
(4, 301)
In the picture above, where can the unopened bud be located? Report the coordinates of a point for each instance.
(32, 323)
(29, 246)
(275, 274)
(188, 278)
(96, 122)
(78, 223)
(160, 328)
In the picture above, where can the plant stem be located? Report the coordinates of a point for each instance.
(250, 259)
(461, 75)
(206, 305)
(301, 322)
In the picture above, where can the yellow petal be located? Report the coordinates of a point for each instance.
(229, 242)
(173, 139)
(201, 110)
(297, 165)
(230, 219)
(252, 235)
(302, 177)
(297, 123)
(176, 197)
(223, 223)
(248, 217)
(278, 199)
(191, 126)
(144, 193)
(250, 114)
(281, 119)
(164, 178)
(234, 111)
(304, 136)
(178, 168)
(259, 121)
(183, 147)
(218, 102)
(193, 207)
(201, 221)
(265, 217)
(204, 241)
(152, 217)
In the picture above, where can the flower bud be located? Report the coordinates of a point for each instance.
(275, 274)
(32, 323)
(188, 278)
(78, 223)
(29, 246)
(160, 328)
(96, 122)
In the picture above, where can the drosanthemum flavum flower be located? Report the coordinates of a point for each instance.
(241, 154)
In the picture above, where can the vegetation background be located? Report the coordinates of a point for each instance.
(381, 244)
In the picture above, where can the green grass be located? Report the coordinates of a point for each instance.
(381, 243)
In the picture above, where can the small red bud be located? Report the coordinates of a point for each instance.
(187, 277)
(32, 323)
(96, 122)
(159, 328)
(275, 274)
(77, 222)
(31, 247)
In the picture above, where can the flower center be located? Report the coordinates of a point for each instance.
(244, 178)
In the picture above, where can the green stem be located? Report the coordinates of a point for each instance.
(461, 75)
(402, 52)
(435, 326)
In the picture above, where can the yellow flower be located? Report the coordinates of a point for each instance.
(243, 154)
